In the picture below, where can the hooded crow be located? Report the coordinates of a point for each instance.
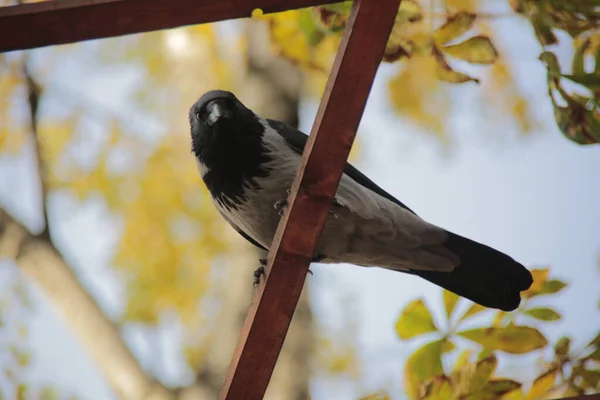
(248, 164)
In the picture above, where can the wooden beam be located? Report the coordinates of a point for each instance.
(55, 22)
(333, 133)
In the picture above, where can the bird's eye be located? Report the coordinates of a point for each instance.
(199, 116)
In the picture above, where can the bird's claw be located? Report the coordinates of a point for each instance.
(280, 206)
(260, 271)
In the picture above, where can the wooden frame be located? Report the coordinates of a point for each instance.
(326, 152)
(55, 22)
(366, 34)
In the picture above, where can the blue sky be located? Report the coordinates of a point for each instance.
(534, 197)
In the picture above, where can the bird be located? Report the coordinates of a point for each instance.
(248, 164)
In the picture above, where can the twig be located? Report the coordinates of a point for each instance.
(34, 91)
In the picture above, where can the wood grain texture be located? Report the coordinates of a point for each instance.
(311, 196)
(55, 22)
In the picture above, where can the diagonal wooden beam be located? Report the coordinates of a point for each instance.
(55, 22)
(333, 133)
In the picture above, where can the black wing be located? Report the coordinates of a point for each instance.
(248, 238)
(297, 140)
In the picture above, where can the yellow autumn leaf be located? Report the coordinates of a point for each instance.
(461, 5)
(415, 92)
(512, 339)
(473, 310)
(415, 320)
(562, 346)
(287, 37)
(450, 301)
(422, 365)
(476, 50)
(440, 389)
(540, 276)
(483, 372)
(54, 137)
(543, 314)
(503, 388)
(463, 359)
(542, 385)
(377, 396)
(516, 394)
(454, 27)
(446, 73)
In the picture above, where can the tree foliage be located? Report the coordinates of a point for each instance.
(172, 248)
(433, 47)
(444, 368)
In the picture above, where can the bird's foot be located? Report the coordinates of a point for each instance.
(261, 271)
(281, 204)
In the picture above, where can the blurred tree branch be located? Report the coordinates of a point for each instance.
(270, 81)
(34, 91)
(43, 264)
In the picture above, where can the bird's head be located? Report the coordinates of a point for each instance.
(218, 116)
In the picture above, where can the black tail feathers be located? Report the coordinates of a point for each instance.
(485, 276)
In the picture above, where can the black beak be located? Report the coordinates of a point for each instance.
(217, 109)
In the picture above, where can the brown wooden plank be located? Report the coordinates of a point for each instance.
(323, 160)
(48, 23)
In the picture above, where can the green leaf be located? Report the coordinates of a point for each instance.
(415, 320)
(561, 348)
(500, 387)
(597, 60)
(450, 300)
(595, 341)
(543, 313)
(579, 57)
(540, 277)
(455, 26)
(552, 286)
(494, 390)
(22, 392)
(576, 121)
(595, 355)
(330, 20)
(512, 339)
(308, 26)
(541, 385)
(543, 31)
(476, 50)
(422, 365)
(551, 62)
(473, 310)
(590, 378)
(591, 81)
